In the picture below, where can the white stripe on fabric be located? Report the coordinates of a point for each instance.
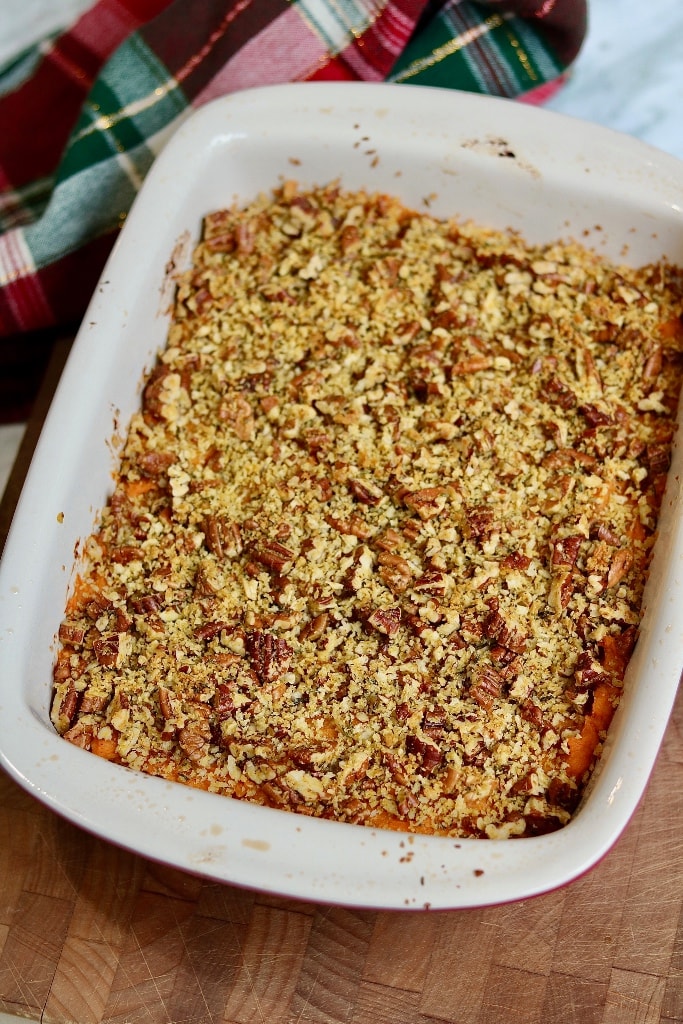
(26, 299)
(339, 21)
(90, 203)
(16, 259)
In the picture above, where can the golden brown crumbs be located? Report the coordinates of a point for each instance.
(380, 532)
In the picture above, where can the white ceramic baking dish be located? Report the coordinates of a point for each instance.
(505, 164)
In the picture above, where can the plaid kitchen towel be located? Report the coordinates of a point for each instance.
(84, 113)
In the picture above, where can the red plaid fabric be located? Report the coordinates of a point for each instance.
(114, 85)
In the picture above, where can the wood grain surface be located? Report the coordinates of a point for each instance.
(92, 934)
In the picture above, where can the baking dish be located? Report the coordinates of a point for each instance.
(503, 164)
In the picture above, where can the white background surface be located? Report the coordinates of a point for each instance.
(628, 76)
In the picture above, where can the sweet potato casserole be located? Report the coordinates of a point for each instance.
(379, 535)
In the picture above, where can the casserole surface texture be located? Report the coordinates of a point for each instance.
(378, 545)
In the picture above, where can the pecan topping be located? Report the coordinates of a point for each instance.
(153, 463)
(620, 566)
(354, 526)
(386, 620)
(236, 412)
(72, 633)
(426, 502)
(516, 560)
(480, 522)
(222, 537)
(427, 753)
(110, 649)
(658, 458)
(366, 493)
(589, 673)
(367, 419)
(315, 628)
(395, 571)
(433, 582)
(558, 393)
(270, 656)
(486, 687)
(194, 739)
(274, 556)
(595, 417)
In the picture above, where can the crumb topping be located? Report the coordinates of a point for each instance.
(378, 541)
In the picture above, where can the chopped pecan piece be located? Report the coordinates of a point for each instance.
(125, 554)
(426, 502)
(658, 458)
(274, 556)
(354, 526)
(367, 494)
(72, 633)
(92, 702)
(203, 585)
(486, 686)
(433, 582)
(394, 571)
(496, 628)
(66, 708)
(589, 673)
(558, 393)
(388, 540)
(110, 649)
(653, 363)
(427, 753)
(237, 413)
(606, 534)
(480, 522)
(386, 620)
(153, 464)
(194, 739)
(166, 701)
(620, 566)
(516, 560)
(80, 735)
(209, 630)
(315, 628)
(152, 396)
(565, 551)
(616, 650)
(475, 364)
(595, 417)
(223, 700)
(222, 537)
(269, 655)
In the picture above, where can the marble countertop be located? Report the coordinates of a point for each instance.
(628, 76)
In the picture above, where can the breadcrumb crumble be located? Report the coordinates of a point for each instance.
(379, 536)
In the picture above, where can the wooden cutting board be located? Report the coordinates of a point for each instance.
(92, 934)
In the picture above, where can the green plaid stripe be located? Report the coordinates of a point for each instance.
(91, 203)
(467, 48)
(133, 99)
(131, 109)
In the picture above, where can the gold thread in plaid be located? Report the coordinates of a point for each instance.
(441, 52)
